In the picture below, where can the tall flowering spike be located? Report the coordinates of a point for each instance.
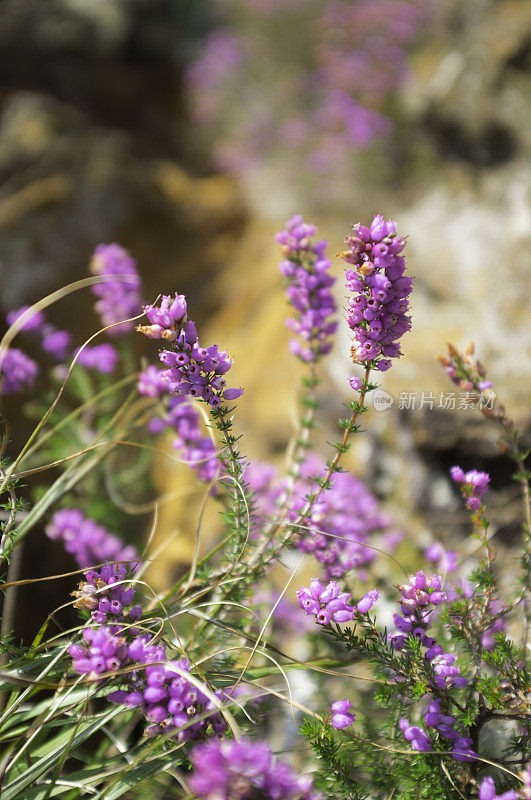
(88, 542)
(193, 371)
(120, 299)
(473, 485)
(377, 312)
(234, 770)
(17, 371)
(308, 282)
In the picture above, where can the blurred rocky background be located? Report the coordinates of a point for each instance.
(100, 141)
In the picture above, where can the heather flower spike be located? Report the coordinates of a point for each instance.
(120, 299)
(192, 371)
(88, 542)
(377, 311)
(308, 289)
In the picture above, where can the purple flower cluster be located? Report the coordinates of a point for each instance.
(332, 102)
(420, 593)
(341, 714)
(103, 650)
(341, 525)
(417, 737)
(378, 311)
(101, 357)
(17, 371)
(117, 299)
(53, 341)
(193, 371)
(473, 485)
(88, 542)
(104, 594)
(420, 740)
(244, 770)
(306, 269)
(197, 450)
(487, 791)
(155, 685)
(152, 382)
(445, 725)
(168, 700)
(179, 415)
(167, 320)
(444, 560)
(419, 599)
(330, 604)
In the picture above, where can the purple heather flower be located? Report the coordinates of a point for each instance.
(88, 542)
(152, 383)
(377, 312)
(117, 299)
(17, 371)
(445, 724)
(343, 522)
(367, 601)
(487, 791)
(104, 594)
(419, 599)
(308, 284)
(102, 357)
(234, 770)
(168, 700)
(35, 321)
(197, 450)
(445, 560)
(103, 650)
(167, 318)
(473, 484)
(55, 342)
(193, 371)
(328, 604)
(232, 394)
(355, 383)
(341, 715)
(417, 737)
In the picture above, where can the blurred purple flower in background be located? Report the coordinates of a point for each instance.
(330, 94)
